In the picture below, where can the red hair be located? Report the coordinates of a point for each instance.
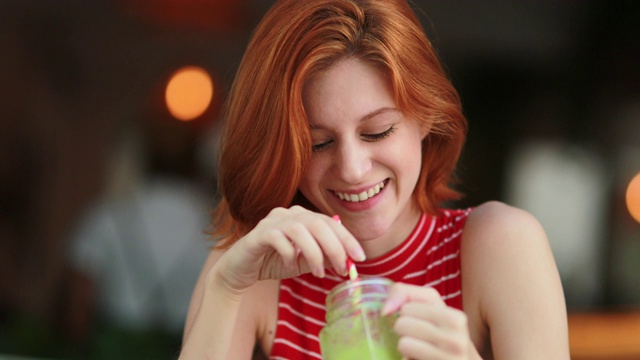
(266, 144)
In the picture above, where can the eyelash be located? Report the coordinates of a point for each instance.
(368, 138)
(382, 135)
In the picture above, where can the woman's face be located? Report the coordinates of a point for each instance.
(367, 155)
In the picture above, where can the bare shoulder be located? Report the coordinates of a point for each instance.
(511, 285)
(494, 229)
(499, 239)
(495, 216)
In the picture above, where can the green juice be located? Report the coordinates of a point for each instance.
(355, 329)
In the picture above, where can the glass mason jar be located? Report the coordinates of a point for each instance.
(355, 329)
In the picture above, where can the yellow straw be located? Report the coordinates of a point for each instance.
(353, 272)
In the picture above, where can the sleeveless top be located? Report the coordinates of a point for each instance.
(430, 256)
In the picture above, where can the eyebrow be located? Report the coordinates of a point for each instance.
(377, 112)
(369, 115)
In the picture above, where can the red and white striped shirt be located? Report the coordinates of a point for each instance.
(430, 256)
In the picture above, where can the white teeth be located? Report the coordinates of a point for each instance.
(361, 196)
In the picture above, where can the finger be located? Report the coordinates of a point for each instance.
(351, 244)
(417, 328)
(278, 241)
(334, 250)
(426, 331)
(444, 327)
(441, 316)
(400, 294)
(413, 348)
(333, 239)
(299, 234)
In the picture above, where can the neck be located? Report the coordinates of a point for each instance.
(394, 236)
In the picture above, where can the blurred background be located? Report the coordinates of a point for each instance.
(108, 133)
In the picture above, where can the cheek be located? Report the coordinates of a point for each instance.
(408, 159)
(416, 166)
(406, 153)
(311, 178)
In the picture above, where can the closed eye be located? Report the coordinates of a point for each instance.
(379, 136)
(321, 146)
(366, 137)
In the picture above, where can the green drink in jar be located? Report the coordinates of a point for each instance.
(355, 328)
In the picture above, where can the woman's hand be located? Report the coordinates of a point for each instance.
(427, 327)
(287, 243)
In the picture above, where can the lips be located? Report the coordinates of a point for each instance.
(362, 196)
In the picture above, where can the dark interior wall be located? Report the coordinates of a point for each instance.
(74, 75)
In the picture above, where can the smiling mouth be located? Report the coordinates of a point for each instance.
(373, 191)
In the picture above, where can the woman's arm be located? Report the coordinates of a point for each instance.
(218, 317)
(227, 307)
(511, 286)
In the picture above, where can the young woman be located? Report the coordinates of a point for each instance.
(341, 108)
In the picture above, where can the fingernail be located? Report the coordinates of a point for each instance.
(360, 255)
(388, 307)
(318, 272)
(336, 218)
(343, 270)
(385, 310)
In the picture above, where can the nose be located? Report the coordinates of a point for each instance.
(353, 161)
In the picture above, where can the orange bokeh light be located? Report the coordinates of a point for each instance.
(189, 92)
(633, 197)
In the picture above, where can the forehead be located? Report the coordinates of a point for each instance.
(349, 89)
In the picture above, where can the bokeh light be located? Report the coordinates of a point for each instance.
(633, 197)
(189, 93)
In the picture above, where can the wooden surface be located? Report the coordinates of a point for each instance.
(605, 335)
